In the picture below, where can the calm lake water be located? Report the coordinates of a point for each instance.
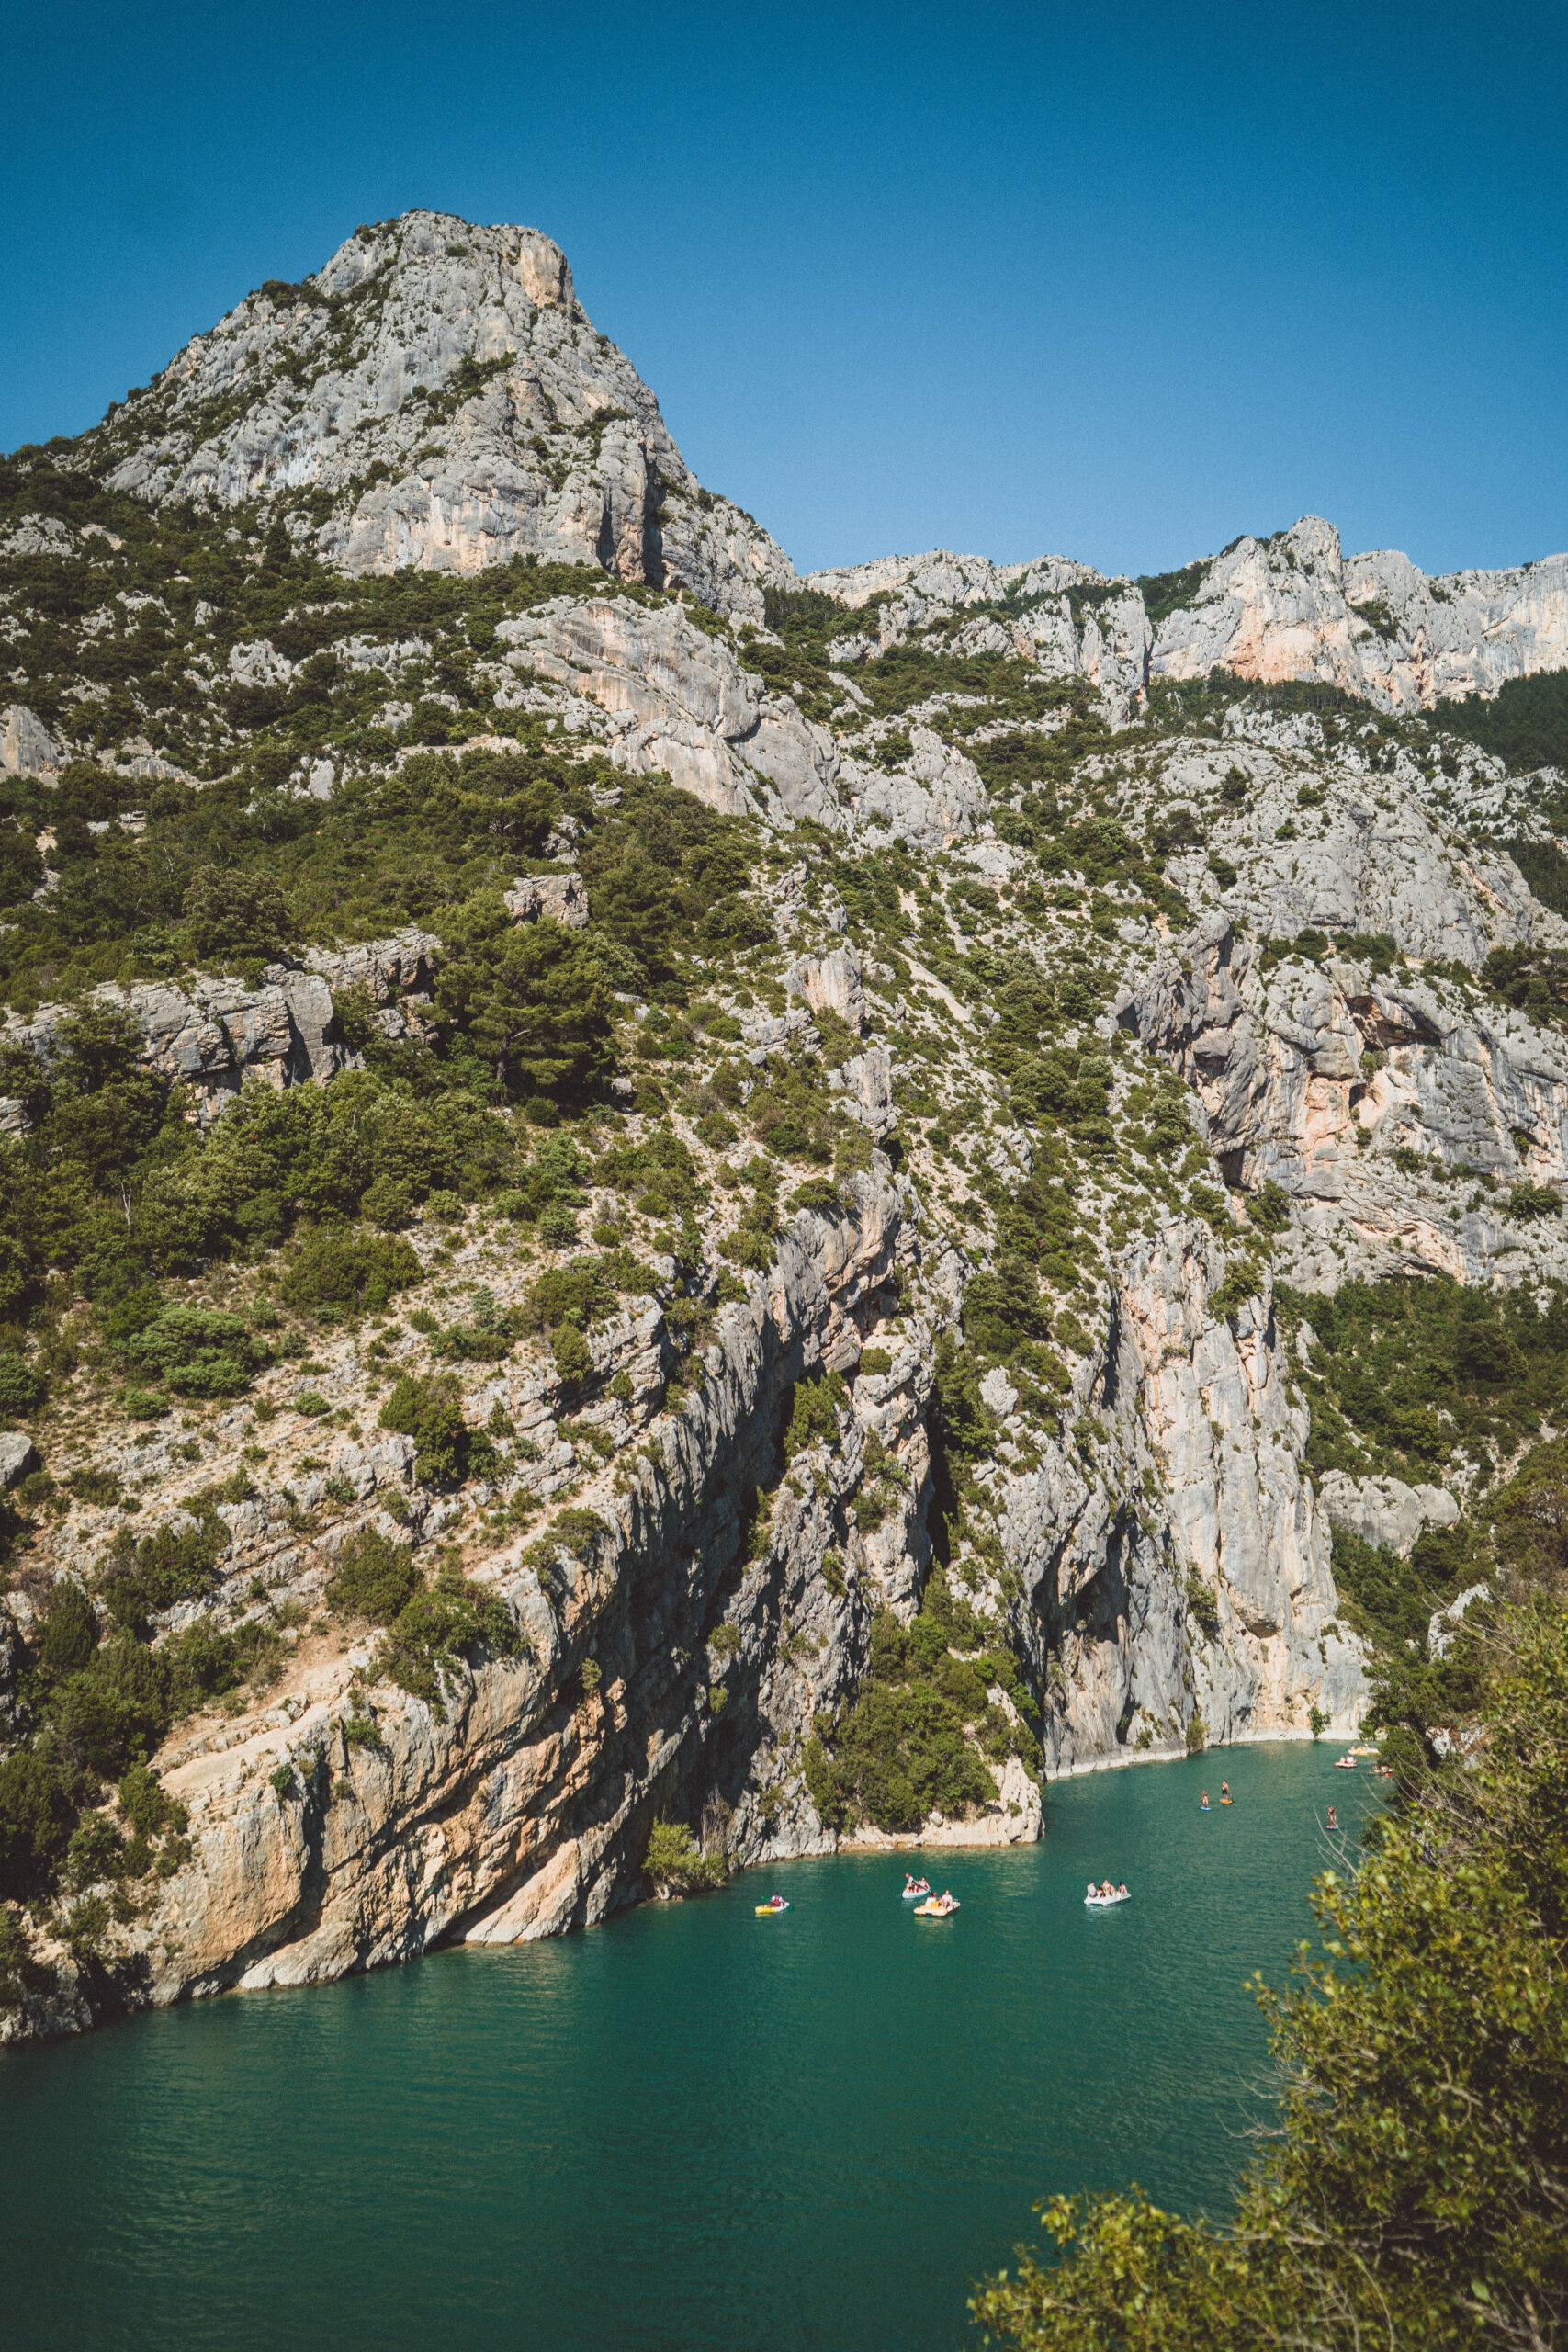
(690, 2127)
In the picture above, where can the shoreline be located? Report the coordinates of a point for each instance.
(1123, 1762)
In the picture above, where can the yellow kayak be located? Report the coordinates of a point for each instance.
(934, 1910)
(771, 1910)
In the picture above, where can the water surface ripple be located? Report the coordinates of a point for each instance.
(690, 2128)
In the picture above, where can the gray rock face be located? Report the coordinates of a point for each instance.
(17, 1456)
(1295, 608)
(1110, 1559)
(1292, 606)
(1066, 617)
(678, 699)
(549, 898)
(1386, 1512)
(25, 745)
(458, 362)
(523, 1808)
(830, 984)
(217, 1033)
(1315, 1077)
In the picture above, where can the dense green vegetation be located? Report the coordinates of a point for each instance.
(1411, 1376)
(901, 1749)
(1415, 2197)
(1525, 723)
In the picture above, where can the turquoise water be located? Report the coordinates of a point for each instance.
(690, 2127)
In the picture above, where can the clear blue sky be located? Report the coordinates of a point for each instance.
(1119, 282)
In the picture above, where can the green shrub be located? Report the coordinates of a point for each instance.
(341, 1271)
(20, 1974)
(427, 1410)
(573, 1357)
(282, 1780)
(145, 1805)
(876, 1361)
(1197, 1734)
(430, 1639)
(95, 1852)
(1269, 1207)
(814, 1413)
(139, 1578)
(67, 1630)
(21, 1388)
(199, 1353)
(676, 1866)
(37, 1816)
(374, 1578)
(1411, 2196)
(1202, 1609)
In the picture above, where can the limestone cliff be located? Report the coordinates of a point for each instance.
(1016, 1037)
(435, 395)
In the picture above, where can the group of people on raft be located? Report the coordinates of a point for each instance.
(1105, 1890)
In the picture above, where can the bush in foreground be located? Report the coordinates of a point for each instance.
(1417, 2192)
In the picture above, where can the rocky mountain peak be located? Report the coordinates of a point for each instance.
(435, 395)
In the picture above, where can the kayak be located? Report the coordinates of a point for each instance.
(933, 1909)
(1104, 1902)
(771, 1910)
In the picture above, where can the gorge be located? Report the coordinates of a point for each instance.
(642, 1190)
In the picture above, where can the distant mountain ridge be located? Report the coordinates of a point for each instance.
(436, 395)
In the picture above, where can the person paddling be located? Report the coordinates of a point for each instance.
(1205, 1806)
(1333, 1818)
(1224, 1793)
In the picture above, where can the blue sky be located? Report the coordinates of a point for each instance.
(1117, 283)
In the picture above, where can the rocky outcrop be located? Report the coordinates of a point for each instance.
(679, 701)
(212, 1034)
(1293, 606)
(548, 898)
(1326, 1078)
(1173, 1560)
(520, 1804)
(25, 745)
(1386, 1512)
(441, 384)
(1065, 616)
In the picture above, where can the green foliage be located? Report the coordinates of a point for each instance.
(1535, 979)
(1269, 1207)
(37, 1816)
(231, 917)
(1197, 1734)
(198, 1352)
(339, 1271)
(1202, 1609)
(675, 1864)
(528, 998)
(427, 1410)
(1410, 1374)
(900, 1748)
(21, 1390)
(21, 1977)
(1525, 723)
(1230, 1295)
(138, 1578)
(67, 1631)
(440, 1629)
(374, 1578)
(814, 1413)
(1413, 2197)
(145, 1805)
